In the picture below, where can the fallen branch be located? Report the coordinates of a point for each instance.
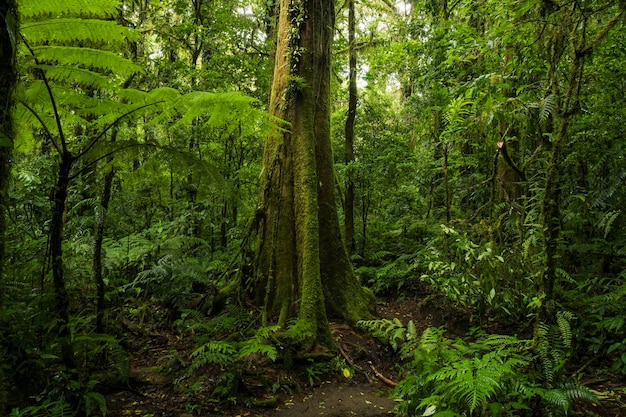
(380, 376)
(352, 364)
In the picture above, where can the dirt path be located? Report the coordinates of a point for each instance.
(339, 400)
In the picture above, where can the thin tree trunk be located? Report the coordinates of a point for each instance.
(446, 183)
(569, 106)
(349, 133)
(8, 80)
(56, 253)
(97, 250)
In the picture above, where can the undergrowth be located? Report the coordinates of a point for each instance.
(483, 375)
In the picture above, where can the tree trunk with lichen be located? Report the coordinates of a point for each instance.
(302, 270)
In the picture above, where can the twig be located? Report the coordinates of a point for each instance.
(380, 376)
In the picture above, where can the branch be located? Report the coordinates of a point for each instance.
(100, 158)
(380, 376)
(587, 50)
(116, 121)
(55, 109)
(43, 125)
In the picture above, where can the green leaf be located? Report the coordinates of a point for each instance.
(5, 141)
(40, 8)
(105, 61)
(68, 30)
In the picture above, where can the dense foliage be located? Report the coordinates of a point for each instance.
(487, 178)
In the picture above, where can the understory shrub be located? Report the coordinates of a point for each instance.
(485, 375)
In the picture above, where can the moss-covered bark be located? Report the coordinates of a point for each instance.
(302, 268)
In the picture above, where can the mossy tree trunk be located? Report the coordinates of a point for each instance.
(568, 89)
(302, 267)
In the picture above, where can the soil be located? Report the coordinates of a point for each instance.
(266, 389)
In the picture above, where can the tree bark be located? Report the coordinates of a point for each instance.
(57, 223)
(551, 210)
(97, 247)
(349, 133)
(8, 80)
(302, 267)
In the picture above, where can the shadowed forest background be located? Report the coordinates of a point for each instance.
(479, 179)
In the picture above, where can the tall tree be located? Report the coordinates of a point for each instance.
(349, 130)
(8, 79)
(303, 270)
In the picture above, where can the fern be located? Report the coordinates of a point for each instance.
(563, 319)
(49, 408)
(84, 8)
(606, 222)
(215, 352)
(547, 107)
(74, 30)
(95, 59)
(561, 399)
(256, 346)
(553, 346)
(390, 331)
(94, 401)
(452, 377)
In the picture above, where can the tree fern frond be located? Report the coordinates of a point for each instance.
(104, 61)
(77, 76)
(53, 8)
(68, 30)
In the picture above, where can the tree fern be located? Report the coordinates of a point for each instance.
(83, 8)
(104, 61)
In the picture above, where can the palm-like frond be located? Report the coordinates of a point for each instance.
(30, 9)
(71, 30)
(104, 61)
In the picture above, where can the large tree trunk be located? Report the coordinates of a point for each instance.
(302, 267)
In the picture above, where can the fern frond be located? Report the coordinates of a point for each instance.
(606, 221)
(69, 30)
(94, 401)
(105, 61)
(76, 76)
(547, 107)
(214, 352)
(255, 346)
(563, 319)
(30, 9)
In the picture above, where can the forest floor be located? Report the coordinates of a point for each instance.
(268, 390)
